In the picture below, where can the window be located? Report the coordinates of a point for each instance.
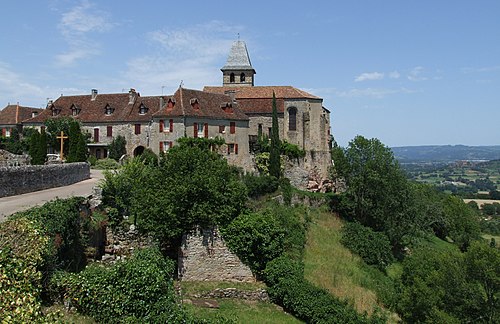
(108, 110)
(242, 77)
(7, 132)
(232, 127)
(222, 129)
(200, 129)
(96, 135)
(231, 78)
(34, 114)
(56, 112)
(292, 119)
(232, 148)
(259, 131)
(165, 146)
(109, 131)
(143, 110)
(270, 131)
(75, 111)
(137, 129)
(98, 153)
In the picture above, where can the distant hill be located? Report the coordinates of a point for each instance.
(445, 153)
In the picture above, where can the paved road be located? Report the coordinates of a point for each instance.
(12, 204)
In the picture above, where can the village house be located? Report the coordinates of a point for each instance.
(12, 117)
(238, 111)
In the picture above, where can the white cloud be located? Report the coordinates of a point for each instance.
(369, 76)
(14, 87)
(192, 55)
(416, 74)
(394, 75)
(74, 26)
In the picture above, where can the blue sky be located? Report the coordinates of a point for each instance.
(406, 72)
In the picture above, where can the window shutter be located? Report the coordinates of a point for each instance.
(161, 125)
(195, 126)
(232, 126)
(235, 148)
(109, 131)
(171, 125)
(161, 146)
(170, 144)
(4, 131)
(206, 130)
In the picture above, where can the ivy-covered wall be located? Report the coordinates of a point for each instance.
(24, 179)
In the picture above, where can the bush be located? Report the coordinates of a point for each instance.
(292, 151)
(260, 185)
(149, 157)
(139, 289)
(92, 160)
(117, 148)
(256, 238)
(106, 164)
(373, 247)
(288, 288)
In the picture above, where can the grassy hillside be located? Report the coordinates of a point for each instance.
(445, 153)
(329, 265)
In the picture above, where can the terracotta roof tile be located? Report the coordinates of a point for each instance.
(11, 115)
(259, 99)
(210, 105)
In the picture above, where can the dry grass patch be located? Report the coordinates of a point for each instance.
(329, 265)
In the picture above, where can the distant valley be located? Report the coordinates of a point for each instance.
(445, 153)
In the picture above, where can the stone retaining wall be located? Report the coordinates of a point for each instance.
(24, 179)
(204, 256)
(258, 295)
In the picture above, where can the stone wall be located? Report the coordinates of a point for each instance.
(24, 179)
(205, 257)
(8, 159)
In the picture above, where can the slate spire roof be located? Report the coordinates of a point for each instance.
(238, 58)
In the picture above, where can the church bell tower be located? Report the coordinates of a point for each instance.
(238, 70)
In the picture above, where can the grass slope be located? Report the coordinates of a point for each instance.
(329, 265)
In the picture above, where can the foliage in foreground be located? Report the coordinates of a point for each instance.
(450, 286)
(139, 289)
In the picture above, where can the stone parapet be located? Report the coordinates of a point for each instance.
(23, 179)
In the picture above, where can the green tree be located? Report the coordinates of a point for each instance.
(38, 147)
(54, 126)
(77, 151)
(117, 148)
(378, 194)
(275, 150)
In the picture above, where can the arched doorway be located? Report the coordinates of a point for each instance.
(138, 150)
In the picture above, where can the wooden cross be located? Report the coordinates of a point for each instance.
(62, 138)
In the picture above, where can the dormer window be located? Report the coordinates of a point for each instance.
(34, 114)
(55, 111)
(194, 103)
(231, 78)
(170, 103)
(75, 111)
(108, 110)
(227, 107)
(143, 110)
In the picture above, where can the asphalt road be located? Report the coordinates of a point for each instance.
(12, 204)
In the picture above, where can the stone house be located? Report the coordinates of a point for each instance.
(12, 116)
(238, 111)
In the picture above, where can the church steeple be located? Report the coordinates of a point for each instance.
(238, 70)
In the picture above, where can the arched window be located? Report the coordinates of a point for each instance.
(292, 119)
(231, 78)
(242, 77)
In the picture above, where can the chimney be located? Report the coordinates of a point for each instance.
(131, 96)
(94, 94)
(231, 94)
(17, 113)
(49, 102)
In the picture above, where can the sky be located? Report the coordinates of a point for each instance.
(406, 72)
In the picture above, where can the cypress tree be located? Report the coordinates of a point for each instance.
(274, 154)
(34, 145)
(42, 150)
(81, 149)
(74, 135)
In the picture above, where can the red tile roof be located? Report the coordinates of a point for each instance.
(94, 111)
(258, 99)
(12, 115)
(210, 105)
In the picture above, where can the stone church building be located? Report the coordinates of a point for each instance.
(238, 111)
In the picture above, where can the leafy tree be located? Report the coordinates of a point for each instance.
(77, 151)
(54, 126)
(117, 148)
(38, 147)
(462, 222)
(275, 149)
(378, 194)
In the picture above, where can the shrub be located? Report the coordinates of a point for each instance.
(149, 157)
(292, 151)
(373, 247)
(92, 160)
(22, 251)
(139, 289)
(288, 288)
(106, 164)
(256, 238)
(260, 185)
(117, 148)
